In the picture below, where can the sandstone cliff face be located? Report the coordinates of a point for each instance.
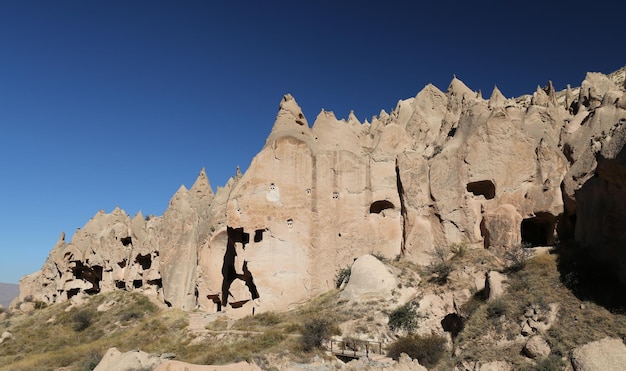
(442, 167)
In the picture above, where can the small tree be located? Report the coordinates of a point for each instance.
(315, 331)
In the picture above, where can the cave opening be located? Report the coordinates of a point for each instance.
(72, 292)
(137, 284)
(538, 230)
(485, 188)
(258, 235)
(156, 282)
(215, 298)
(229, 273)
(120, 284)
(127, 241)
(144, 260)
(452, 323)
(378, 206)
(92, 275)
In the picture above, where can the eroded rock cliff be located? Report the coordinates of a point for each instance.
(441, 168)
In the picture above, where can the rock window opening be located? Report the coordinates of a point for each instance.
(258, 235)
(215, 298)
(229, 273)
(72, 292)
(452, 132)
(92, 275)
(378, 206)
(144, 260)
(484, 188)
(126, 241)
(539, 230)
(120, 285)
(157, 282)
(137, 283)
(122, 264)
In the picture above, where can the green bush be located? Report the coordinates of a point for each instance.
(315, 331)
(342, 276)
(427, 349)
(403, 318)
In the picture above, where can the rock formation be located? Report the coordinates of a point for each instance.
(441, 168)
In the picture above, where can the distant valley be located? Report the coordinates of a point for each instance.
(8, 292)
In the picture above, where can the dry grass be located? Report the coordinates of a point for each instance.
(536, 285)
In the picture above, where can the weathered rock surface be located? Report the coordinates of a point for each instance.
(494, 285)
(606, 354)
(184, 366)
(134, 360)
(441, 168)
(369, 280)
(536, 347)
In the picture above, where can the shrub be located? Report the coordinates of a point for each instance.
(550, 363)
(379, 256)
(403, 318)
(516, 256)
(315, 331)
(440, 266)
(81, 320)
(496, 308)
(427, 349)
(342, 276)
(459, 249)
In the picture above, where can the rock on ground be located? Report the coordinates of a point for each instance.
(536, 347)
(608, 354)
(115, 360)
(369, 279)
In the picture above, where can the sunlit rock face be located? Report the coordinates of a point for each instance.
(441, 168)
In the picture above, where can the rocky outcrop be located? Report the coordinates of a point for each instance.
(606, 354)
(370, 279)
(441, 168)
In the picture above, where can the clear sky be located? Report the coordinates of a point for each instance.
(118, 103)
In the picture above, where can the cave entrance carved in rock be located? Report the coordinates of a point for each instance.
(538, 230)
(229, 271)
(485, 188)
(378, 206)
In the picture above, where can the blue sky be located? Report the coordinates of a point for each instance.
(118, 103)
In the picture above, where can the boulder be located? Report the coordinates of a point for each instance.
(370, 279)
(134, 360)
(536, 347)
(608, 354)
(494, 285)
